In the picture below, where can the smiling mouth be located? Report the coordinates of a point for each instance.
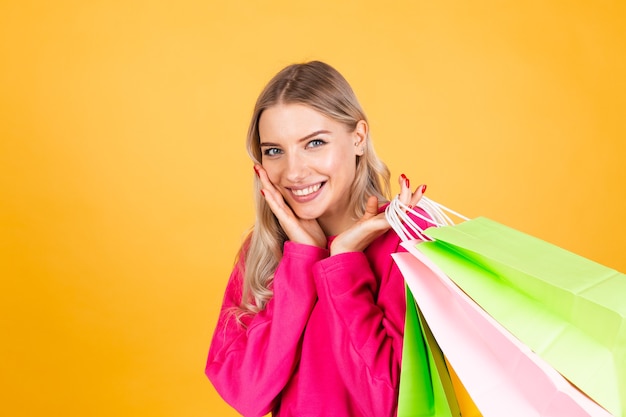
(303, 192)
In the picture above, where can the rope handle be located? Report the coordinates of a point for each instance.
(397, 214)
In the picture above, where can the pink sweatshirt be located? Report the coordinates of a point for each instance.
(329, 342)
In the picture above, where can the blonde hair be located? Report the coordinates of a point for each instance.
(321, 87)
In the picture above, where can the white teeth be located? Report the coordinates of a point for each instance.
(306, 191)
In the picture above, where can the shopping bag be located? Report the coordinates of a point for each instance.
(502, 376)
(425, 386)
(569, 310)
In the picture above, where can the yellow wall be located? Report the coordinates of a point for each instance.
(125, 186)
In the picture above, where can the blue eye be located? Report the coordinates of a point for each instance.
(271, 151)
(315, 143)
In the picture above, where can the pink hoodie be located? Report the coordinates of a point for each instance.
(329, 342)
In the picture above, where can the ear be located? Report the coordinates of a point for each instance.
(360, 137)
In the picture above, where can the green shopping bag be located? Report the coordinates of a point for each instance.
(425, 386)
(568, 309)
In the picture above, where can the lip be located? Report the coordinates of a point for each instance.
(308, 197)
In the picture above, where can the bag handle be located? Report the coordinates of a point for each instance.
(397, 214)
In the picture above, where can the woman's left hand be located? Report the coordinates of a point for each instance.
(373, 224)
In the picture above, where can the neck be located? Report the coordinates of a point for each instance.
(335, 225)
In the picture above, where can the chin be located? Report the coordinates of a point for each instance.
(307, 214)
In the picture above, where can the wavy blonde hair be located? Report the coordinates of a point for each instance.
(321, 87)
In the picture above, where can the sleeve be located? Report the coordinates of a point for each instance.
(366, 316)
(250, 365)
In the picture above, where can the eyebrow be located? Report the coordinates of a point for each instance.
(307, 137)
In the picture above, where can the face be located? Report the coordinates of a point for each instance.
(311, 160)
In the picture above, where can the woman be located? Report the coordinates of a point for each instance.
(313, 314)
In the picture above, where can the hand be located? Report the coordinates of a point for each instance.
(406, 196)
(298, 230)
(373, 224)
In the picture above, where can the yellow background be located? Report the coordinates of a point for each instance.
(125, 188)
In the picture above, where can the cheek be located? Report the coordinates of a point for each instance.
(272, 171)
(344, 165)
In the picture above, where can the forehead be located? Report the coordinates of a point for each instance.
(293, 121)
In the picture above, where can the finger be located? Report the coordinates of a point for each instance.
(268, 189)
(417, 195)
(263, 177)
(371, 208)
(405, 189)
(273, 197)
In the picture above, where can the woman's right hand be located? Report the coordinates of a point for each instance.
(298, 230)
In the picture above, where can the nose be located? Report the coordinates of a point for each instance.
(296, 168)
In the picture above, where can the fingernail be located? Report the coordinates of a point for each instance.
(256, 169)
(408, 183)
(263, 193)
(423, 188)
(410, 206)
(403, 176)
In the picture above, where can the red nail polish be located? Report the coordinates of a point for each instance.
(263, 193)
(423, 188)
(256, 169)
(403, 176)
(408, 183)
(410, 206)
